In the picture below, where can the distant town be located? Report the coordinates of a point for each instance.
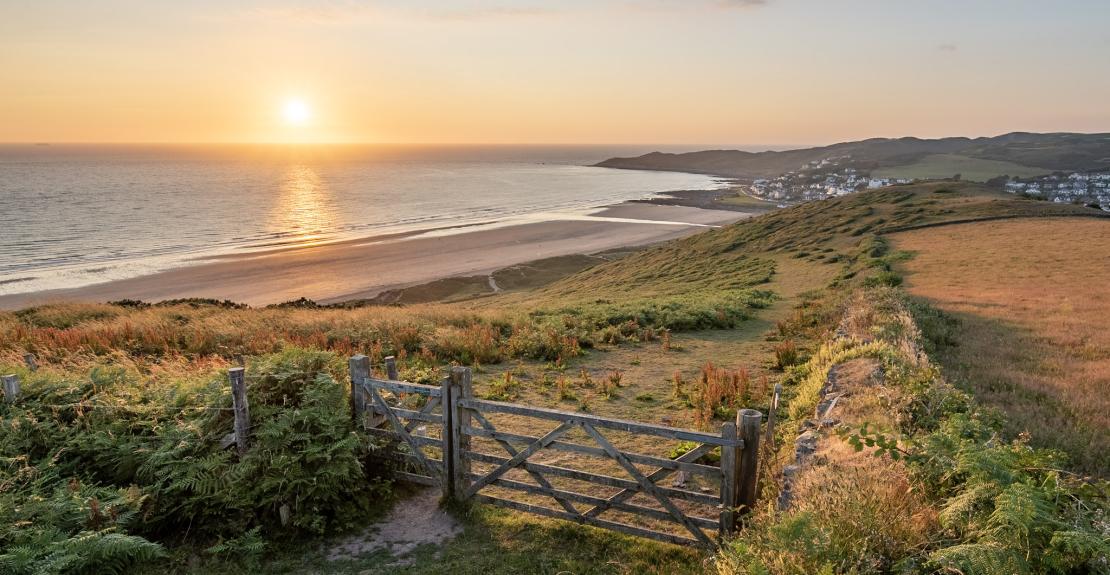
(1076, 187)
(818, 180)
(834, 176)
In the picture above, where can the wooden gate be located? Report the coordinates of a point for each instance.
(593, 473)
(410, 416)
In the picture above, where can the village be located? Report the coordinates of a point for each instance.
(818, 180)
(826, 178)
(1076, 187)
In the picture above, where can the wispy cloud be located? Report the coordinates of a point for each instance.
(487, 13)
(688, 5)
(741, 3)
(333, 11)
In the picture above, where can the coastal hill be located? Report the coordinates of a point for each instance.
(1019, 151)
(940, 347)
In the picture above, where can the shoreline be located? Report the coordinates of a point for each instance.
(364, 267)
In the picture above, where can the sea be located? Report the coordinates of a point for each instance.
(74, 215)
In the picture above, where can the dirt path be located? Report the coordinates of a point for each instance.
(412, 523)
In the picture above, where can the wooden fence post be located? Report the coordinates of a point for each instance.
(460, 420)
(11, 388)
(242, 410)
(29, 359)
(391, 368)
(772, 416)
(359, 367)
(748, 424)
(730, 474)
(447, 436)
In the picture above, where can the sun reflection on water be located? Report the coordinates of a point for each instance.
(305, 211)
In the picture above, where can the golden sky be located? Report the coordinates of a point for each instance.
(712, 72)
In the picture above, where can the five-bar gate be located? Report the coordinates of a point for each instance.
(587, 469)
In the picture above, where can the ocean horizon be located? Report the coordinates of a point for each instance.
(76, 215)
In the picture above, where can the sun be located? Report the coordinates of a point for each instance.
(296, 112)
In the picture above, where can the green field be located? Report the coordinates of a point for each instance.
(940, 166)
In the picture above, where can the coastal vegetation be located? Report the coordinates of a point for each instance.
(112, 458)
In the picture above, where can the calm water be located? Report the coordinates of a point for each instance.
(75, 215)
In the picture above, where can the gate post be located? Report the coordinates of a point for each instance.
(11, 388)
(447, 436)
(748, 423)
(460, 442)
(391, 368)
(359, 366)
(730, 473)
(241, 408)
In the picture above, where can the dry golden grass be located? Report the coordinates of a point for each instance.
(1033, 297)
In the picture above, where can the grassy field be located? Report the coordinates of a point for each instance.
(114, 449)
(939, 166)
(1033, 305)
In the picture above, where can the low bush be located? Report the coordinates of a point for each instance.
(97, 469)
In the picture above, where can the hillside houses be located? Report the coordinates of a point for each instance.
(1076, 187)
(817, 180)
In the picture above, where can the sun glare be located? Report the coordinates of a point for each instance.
(296, 112)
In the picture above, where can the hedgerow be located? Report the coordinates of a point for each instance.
(1005, 507)
(98, 472)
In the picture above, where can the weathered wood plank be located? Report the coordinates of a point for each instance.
(612, 525)
(240, 407)
(413, 416)
(537, 477)
(682, 463)
(32, 363)
(400, 428)
(647, 486)
(520, 457)
(772, 416)
(653, 477)
(419, 479)
(359, 368)
(11, 388)
(447, 438)
(391, 368)
(748, 424)
(730, 473)
(693, 496)
(421, 440)
(461, 389)
(583, 498)
(580, 418)
(403, 387)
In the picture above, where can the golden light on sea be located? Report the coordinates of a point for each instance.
(305, 209)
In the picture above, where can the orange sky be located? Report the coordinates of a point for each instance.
(714, 72)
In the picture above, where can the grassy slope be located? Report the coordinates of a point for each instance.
(940, 166)
(788, 252)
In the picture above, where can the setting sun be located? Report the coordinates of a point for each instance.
(296, 112)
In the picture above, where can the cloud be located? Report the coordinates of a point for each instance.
(487, 13)
(686, 5)
(741, 3)
(335, 11)
(948, 47)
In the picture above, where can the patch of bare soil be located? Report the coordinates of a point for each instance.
(413, 522)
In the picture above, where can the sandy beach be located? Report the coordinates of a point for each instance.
(364, 267)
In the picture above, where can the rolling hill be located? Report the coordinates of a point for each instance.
(1042, 153)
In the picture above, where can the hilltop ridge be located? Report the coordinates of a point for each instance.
(1050, 152)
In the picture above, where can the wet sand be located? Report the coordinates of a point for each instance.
(364, 267)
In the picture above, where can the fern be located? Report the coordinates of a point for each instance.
(979, 559)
